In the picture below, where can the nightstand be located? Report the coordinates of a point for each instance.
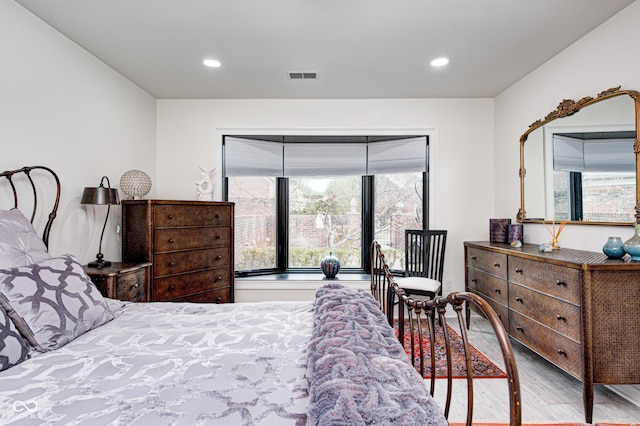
(122, 280)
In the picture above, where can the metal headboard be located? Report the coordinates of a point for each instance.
(9, 174)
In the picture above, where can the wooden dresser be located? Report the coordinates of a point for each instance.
(190, 246)
(577, 309)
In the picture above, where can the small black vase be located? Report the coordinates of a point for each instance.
(330, 265)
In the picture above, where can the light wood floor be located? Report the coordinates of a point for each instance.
(548, 393)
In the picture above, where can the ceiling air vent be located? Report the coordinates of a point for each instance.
(302, 75)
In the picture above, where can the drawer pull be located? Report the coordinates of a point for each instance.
(170, 216)
(219, 257)
(171, 288)
(218, 299)
(561, 318)
(217, 216)
(519, 299)
(561, 283)
(518, 271)
(218, 237)
(218, 278)
(473, 258)
(562, 353)
(474, 280)
(520, 329)
(497, 290)
(171, 240)
(497, 265)
(134, 286)
(172, 263)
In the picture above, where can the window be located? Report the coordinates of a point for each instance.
(594, 197)
(255, 221)
(398, 206)
(299, 198)
(325, 215)
(594, 176)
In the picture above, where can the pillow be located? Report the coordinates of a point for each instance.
(19, 243)
(52, 302)
(13, 348)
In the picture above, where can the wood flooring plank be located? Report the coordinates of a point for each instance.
(548, 393)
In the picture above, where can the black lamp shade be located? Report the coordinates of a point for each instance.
(100, 196)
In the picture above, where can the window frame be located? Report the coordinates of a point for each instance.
(367, 211)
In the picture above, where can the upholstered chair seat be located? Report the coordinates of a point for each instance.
(420, 285)
(424, 262)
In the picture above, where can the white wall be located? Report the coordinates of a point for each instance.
(61, 107)
(190, 132)
(604, 58)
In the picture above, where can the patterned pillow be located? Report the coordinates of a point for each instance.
(19, 243)
(52, 302)
(13, 348)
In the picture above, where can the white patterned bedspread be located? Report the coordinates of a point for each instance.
(171, 364)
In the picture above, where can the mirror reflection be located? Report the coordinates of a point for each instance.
(581, 166)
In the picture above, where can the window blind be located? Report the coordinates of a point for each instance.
(325, 159)
(593, 155)
(248, 157)
(251, 157)
(397, 156)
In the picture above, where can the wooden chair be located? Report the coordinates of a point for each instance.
(424, 262)
(422, 317)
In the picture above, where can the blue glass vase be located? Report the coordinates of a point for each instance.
(614, 248)
(632, 245)
(330, 265)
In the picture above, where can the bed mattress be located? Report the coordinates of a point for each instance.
(164, 363)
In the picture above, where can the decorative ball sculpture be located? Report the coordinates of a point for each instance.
(135, 184)
(330, 265)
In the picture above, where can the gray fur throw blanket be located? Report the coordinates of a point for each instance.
(358, 374)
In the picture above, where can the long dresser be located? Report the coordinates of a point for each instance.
(579, 310)
(190, 246)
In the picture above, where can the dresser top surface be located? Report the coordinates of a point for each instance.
(178, 202)
(561, 256)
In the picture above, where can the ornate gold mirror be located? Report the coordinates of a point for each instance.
(580, 163)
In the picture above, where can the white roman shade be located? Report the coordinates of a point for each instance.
(397, 156)
(248, 157)
(244, 156)
(593, 155)
(325, 159)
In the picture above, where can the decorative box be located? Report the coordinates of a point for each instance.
(499, 230)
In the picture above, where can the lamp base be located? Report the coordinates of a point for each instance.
(99, 264)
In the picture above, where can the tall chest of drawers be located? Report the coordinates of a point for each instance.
(577, 309)
(190, 245)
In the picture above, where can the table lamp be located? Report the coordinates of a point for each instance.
(101, 196)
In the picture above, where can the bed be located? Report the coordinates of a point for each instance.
(70, 356)
(416, 319)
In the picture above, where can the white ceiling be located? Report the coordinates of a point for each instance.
(359, 48)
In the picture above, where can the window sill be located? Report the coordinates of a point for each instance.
(299, 281)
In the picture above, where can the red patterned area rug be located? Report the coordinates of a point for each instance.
(481, 366)
(549, 424)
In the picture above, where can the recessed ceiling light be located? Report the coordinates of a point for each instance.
(211, 63)
(439, 62)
